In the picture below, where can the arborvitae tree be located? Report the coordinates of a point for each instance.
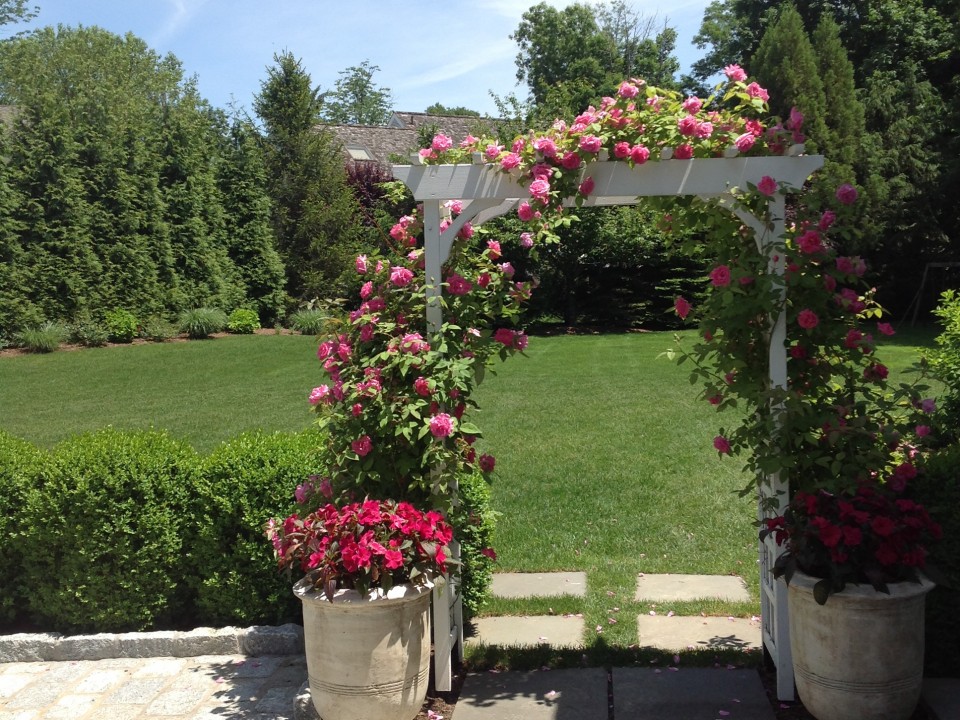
(785, 64)
(314, 212)
(14, 268)
(250, 239)
(843, 111)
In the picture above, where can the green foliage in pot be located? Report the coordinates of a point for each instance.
(114, 505)
(243, 321)
(121, 325)
(242, 484)
(201, 323)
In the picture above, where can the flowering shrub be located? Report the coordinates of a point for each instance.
(395, 401)
(867, 536)
(363, 546)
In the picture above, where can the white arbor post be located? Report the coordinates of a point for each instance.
(491, 193)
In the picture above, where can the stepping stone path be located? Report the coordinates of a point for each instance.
(656, 629)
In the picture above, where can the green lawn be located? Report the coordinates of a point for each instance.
(604, 454)
(204, 391)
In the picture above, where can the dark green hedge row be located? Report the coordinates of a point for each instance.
(117, 531)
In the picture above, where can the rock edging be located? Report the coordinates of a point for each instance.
(254, 641)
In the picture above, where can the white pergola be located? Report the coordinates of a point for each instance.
(487, 192)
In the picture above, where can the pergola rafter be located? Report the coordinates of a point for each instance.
(487, 192)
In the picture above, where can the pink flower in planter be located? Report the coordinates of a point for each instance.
(767, 185)
(441, 425)
(682, 307)
(362, 446)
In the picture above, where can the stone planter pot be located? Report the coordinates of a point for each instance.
(368, 658)
(860, 656)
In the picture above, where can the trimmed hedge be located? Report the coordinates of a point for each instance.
(244, 483)
(132, 530)
(104, 524)
(20, 465)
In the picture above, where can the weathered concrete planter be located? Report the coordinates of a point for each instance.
(368, 658)
(860, 656)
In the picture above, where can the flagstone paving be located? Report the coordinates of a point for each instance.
(678, 588)
(696, 633)
(553, 630)
(524, 585)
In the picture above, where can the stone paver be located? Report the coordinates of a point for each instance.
(679, 588)
(553, 630)
(697, 632)
(546, 695)
(217, 686)
(524, 585)
(689, 694)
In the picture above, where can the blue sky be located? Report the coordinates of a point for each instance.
(454, 52)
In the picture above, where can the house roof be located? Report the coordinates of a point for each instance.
(399, 137)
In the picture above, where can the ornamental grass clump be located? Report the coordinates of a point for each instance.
(367, 546)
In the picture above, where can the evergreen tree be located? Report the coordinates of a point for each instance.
(843, 111)
(315, 215)
(250, 240)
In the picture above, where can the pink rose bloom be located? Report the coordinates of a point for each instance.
(525, 211)
(570, 160)
(520, 341)
(466, 231)
(356, 409)
(621, 150)
(587, 186)
(683, 152)
(518, 144)
(807, 319)
(483, 280)
(493, 151)
(487, 462)
(639, 154)
(542, 171)
(704, 130)
(526, 240)
(366, 290)
(720, 276)
(458, 285)
(504, 336)
(886, 328)
(682, 307)
(735, 73)
(687, 125)
(367, 332)
(441, 142)
(847, 194)
(510, 161)
(362, 446)
(692, 104)
(826, 220)
(303, 492)
(545, 146)
(422, 386)
(454, 206)
(796, 119)
(319, 393)
(493, 249)
(325, 349)
(722, 445)
(754, 127)
(414, 343)
(745, 142)
(540, 189)
(468, 141)
(767, 185)
(922, 430)
(876, 372)
(628, 90)
(755, 91)
(361, 264)
(400, 276)
(929, 406)
(441, 425)
(810, 242)
(591, 143)
(507, 269)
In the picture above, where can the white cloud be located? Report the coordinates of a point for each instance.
(181, 12)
